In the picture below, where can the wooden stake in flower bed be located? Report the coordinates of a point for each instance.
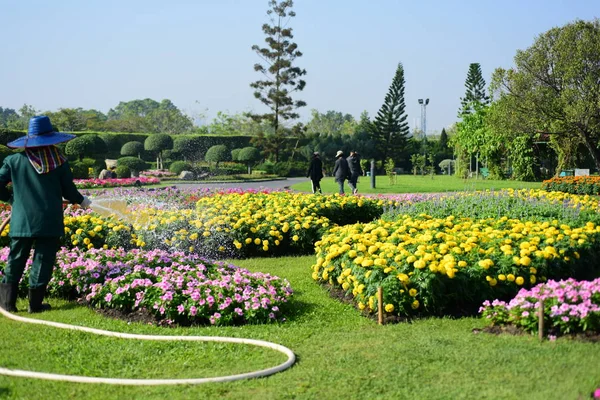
(541, 320)
(380, 305)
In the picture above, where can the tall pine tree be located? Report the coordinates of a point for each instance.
(281, 76)
(391, 128)
(475, 92)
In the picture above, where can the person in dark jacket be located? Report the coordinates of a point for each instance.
(355, 170)
(315, 172)
(41, 178)
(341, 172)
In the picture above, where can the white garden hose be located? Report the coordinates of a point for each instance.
(149, 382)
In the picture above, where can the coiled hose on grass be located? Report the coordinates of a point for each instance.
(291, 358)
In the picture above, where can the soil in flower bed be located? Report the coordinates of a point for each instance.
(140, 316)
(593, 337)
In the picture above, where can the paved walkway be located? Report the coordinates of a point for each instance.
(273, 185)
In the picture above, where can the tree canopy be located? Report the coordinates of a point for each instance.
(554, 89)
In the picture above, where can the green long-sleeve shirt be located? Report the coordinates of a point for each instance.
(37, 198)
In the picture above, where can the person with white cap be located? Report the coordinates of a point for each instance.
(41, 178)
(341, 172)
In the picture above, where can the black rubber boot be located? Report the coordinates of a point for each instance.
(36, 296)
(8, 296)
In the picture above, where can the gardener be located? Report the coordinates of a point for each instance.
(40, 177)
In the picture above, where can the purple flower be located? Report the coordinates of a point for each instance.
(108, 297)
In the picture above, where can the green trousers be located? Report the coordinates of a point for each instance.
(44, 257)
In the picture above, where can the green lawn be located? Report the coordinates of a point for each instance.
(418, 184)
(340, 355)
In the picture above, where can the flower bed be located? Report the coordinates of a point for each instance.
(570, 306)
(250, 224)
(158, 173)
(449, 265)
(172, 287)
(573, 184)
(85, 229)
(108, 183)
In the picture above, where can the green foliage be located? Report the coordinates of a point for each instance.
(475, 93)
(133, 163)
(391, 128)
(157, 143)
(418, 163)
(281, 76)
(330, 123)
(80, 170)
(249, 155)
(190, 147)
(86, 145)
(552, 88)
(4, 152)
(389, 169)
(289, 168)
(123, 171)
(112, 142)
(177, 167)
(267, 166)
(217, 154)
(132, 149)
(234, 154)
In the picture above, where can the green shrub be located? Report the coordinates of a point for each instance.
(267, 166)
(217, 154)
(133, 163)
(123, 171)
(287, 168)
(80, 170)
(178, 166)
(133, 149)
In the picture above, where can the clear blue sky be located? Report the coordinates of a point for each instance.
(95, 53)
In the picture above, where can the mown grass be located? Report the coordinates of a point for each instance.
(340, 355)
(418, 184)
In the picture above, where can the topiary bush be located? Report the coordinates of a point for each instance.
(123, 172)
(133, 163)
(179, 166)
(133, 149)
(249, 155)
(80, 170)
(217, 154)
(86, 145)
(157, 143)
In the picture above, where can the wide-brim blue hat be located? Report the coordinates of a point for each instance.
(40, 133)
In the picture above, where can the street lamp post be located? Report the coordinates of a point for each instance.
(424, 124)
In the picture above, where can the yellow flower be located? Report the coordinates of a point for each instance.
(86, 241)
(415, 304)
(361, 305)
(295, 238)
(502, 277)
(462, 263)
(389, 308)
(510, 277)
(493, 282)
(532, 279)
(248, 240)
(525, 261)
(257, 241)
(519, 281)
(412, 292)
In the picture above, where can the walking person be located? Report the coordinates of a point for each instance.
(315, 172)
(341, 172)
(355, 170)
(41, 178)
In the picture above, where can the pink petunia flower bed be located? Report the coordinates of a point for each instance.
(570, 307)
(174, 288)
(109, 183)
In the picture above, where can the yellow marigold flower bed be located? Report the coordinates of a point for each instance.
(437, 266)
(251, 224)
